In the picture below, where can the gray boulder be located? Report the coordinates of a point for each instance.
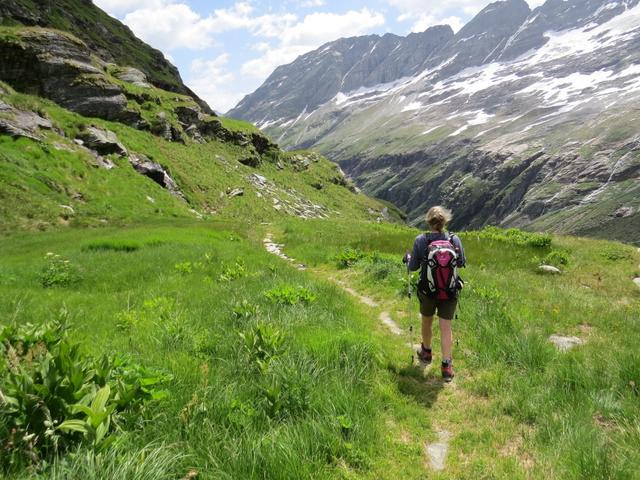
(549, 269)
(102, 141)
(155, 172)
(22, 123)
(133, 76)
(58, 66)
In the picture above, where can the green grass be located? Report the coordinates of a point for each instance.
(38, 180)
(265, 387)
(569, 414)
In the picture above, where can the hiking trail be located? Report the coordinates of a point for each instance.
(435, 453)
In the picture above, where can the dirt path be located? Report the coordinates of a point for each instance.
(436, 452)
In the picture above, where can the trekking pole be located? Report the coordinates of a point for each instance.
(409, 308)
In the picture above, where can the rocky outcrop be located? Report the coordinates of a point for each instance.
(155, 172)
(57, 66)
(22, 123)
(101, 141)
(104, 35)
(132, 76)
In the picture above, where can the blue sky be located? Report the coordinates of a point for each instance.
(226, 49)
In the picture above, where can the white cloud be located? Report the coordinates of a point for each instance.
(308, 34)
(312, 3)
(213, 82)
(121, 7)
(171, 26)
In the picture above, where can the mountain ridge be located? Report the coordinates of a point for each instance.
(566, 95)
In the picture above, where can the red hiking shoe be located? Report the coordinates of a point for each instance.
(424, 354)
(447, 372)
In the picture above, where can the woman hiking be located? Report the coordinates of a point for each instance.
(438, 254)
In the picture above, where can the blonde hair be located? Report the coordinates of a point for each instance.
(438, 218)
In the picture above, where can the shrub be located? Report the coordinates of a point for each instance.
(53, 397)
(262, 344)
(233, 272)
(349, 257)
(58, 272)
(185, 268)
(289, 295)
(556, 258)
(514, 236)
(244, 310)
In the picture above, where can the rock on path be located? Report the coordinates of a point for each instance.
(565, 343)
(370, 302)
(637, 281)
(437, 452)
(276, 249)
(386, 319)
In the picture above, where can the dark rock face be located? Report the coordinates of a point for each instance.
(105, 36)
(155, 172)
(54, 65)
(102, 141)
(20, 123)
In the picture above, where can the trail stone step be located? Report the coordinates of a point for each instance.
(437, 452)
(390, 324)
(366, 300)
(276, 249)
(564, 343)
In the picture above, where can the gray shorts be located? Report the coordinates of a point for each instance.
(446, 308)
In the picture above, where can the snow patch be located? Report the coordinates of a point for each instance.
(412, 106)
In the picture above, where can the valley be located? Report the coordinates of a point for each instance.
(183, 298)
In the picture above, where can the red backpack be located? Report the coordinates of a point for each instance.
(439, 270)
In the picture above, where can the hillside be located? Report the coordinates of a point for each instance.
(123, 150)
(105, 36)
(523, 118)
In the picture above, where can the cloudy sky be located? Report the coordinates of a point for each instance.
(225, 49)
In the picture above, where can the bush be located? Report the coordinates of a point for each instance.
(58, 272)
(556, 258)
(349, 257)
(514, 236)
(288, 295)
(53, 397)
(233, 272)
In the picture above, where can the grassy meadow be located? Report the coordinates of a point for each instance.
(264, 371)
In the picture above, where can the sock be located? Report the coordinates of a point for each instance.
(447, 362)
(425, 349)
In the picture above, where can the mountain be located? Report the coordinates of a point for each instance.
(523, 118)
(88, 141)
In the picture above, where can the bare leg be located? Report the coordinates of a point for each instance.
(427, 333)
(446, 339)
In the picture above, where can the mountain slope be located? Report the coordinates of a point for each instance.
(105, 36)
(85, 142)
(532, 124)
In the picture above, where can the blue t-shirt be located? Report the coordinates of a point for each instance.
(422, 242)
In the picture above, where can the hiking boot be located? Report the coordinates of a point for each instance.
(447, 372)
(424, 354)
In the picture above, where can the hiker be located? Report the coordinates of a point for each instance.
(438, 255)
